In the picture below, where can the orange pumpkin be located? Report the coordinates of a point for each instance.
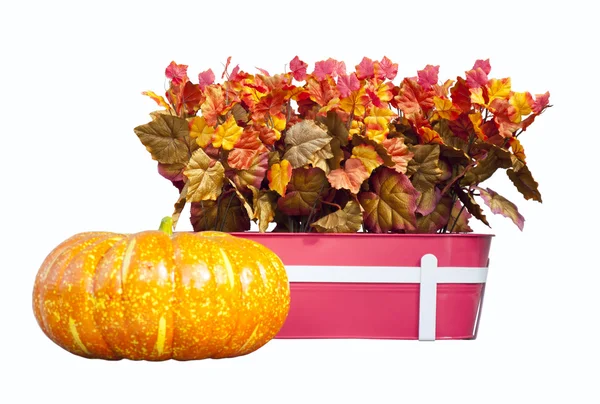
(156, 296)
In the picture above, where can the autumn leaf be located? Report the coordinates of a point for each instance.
(499, 89)
(477, 97)
(227, 134)
(335, 126)
(429, 136)
(526, 185)
(428, 200)
(255, 174)
(461, 96)
(165, 138)
(350, 177)
(391, 203)
(205, 177)
(500, 205)
(158, 99)
(517, 149)
(476, 77)
(380, 94)
(303, 192)
(206, 78)
(176, 73)
(214, 105)
(356, 103)
(521, 102)
(541, 102)
(413, 99)
(483, 65)
(200, 131)
(428, 76)
(436, 219)
(496, 158)
(179, 205)
(469, 202)
(242, 199)
(304, 139)
(387, 69)
(298, 68)
(245, 150)
(329, 67)
(368, 155)
(346, 84)
(346, 220)
(323, 91)
(264, 204)
(459, 219)
(377, 123)
(365, 69)
(445, 108)
(399, 153)
(226, 214)
(172, 172)
(279, 176)
(423, 167)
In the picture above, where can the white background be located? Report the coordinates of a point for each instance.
(71, 78)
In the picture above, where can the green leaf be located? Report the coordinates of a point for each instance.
(347, 220)
(166, 138)
(392, 203)
(205, 177)
(305, 139)
(500, 205)
(303, 192)
(523, 180)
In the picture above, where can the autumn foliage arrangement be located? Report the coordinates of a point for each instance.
(340, 151)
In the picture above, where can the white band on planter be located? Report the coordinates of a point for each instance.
(428, 275)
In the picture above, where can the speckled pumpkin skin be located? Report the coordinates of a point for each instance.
(151, 296)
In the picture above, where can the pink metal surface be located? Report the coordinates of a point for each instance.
(372, 310)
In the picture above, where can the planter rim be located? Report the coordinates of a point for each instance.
(386, 235)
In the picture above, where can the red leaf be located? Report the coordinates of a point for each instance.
(461, 96)
(347, 83)
(476, 78)
(541, 102)
(176, 73)
(206, 78)
(366, 69)
(298, 69)
(390, 70)
(483, 65)
(428, 76)
(413, 98)
(329, 67)
(263, 71)
(462, 127)
(192, 98)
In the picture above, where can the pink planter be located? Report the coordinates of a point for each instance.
(384, 286)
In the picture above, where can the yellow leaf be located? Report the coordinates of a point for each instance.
(369, 157)
(279, 122)
(227, 134)
(521, 102)
(476, 120)
(202, 132)
(477, 96)
(279, 176)
(356, 103)
(499, 89)
(445, 108)
(205, 177)
(377, 123)
(157, 98)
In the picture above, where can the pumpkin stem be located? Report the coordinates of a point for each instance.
(166, 225)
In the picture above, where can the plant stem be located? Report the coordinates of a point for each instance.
(166, 225)
(332, 204)
(457, 217)
(226, 211)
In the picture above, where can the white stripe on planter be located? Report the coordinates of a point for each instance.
(366, 274)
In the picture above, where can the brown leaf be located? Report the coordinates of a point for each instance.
(265, 203)
(255, 174)
(225, 214)
(436, 219)
(523, 180)
(392, 203)
(166, 138)
(423, 169)
(496, 158)
(304, 190)
(459, 219)
(242, 199)
(472, 206)
(336, 127)
(347, 220)
(180, 204)
(500, 205)
(205, 177)
(304, 138)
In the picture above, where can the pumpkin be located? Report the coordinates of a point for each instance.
(158, 295)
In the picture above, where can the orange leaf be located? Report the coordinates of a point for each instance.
(429, 135)
(476, 120)
(279, 176)
(350, 177)
(227, 134)
(245, 150)
(399, 153)
(323, 91)
(214, 105)
(157, 98)
(516, 148)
